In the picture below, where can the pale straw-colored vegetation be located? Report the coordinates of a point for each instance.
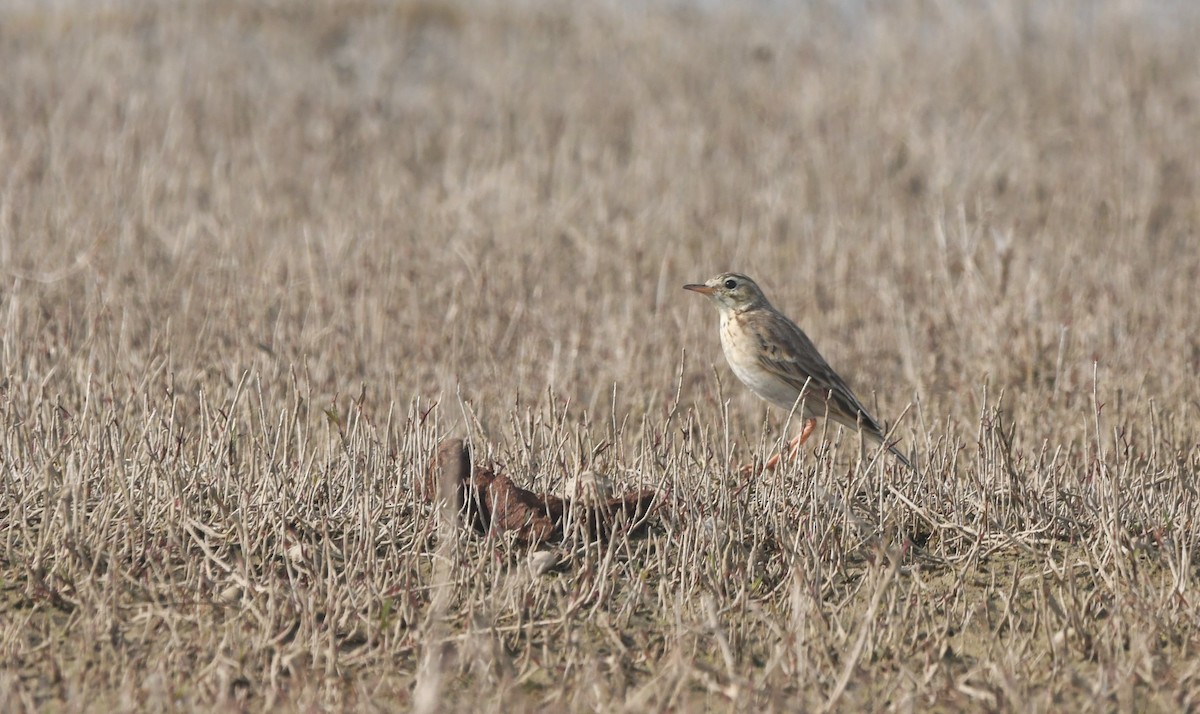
(258, 258)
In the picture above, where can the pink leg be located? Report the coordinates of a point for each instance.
(794, 445)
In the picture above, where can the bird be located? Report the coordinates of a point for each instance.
(772, 356)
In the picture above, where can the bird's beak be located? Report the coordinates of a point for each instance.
(702, 289)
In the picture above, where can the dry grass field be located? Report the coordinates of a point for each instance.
(258, 258)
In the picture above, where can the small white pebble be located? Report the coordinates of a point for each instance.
(295, 552)
(542, 562)
(589, 487)
(230, 595)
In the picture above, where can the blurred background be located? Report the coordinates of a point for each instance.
(494, 199)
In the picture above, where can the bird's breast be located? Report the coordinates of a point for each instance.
(743, 346)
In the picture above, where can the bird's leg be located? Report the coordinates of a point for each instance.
(794, 445)
(810, 425)
(793, 449)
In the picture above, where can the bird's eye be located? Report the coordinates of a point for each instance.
(730, 284)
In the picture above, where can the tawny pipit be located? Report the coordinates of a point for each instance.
(774, 357)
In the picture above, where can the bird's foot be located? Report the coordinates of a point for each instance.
(751, 470)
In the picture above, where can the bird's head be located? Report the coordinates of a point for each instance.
(732, 292)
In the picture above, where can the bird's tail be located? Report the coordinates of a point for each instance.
(879, 438)
(901, 457)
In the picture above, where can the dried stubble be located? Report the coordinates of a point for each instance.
(258, 259)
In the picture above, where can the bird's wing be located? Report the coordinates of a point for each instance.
(788, 353)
